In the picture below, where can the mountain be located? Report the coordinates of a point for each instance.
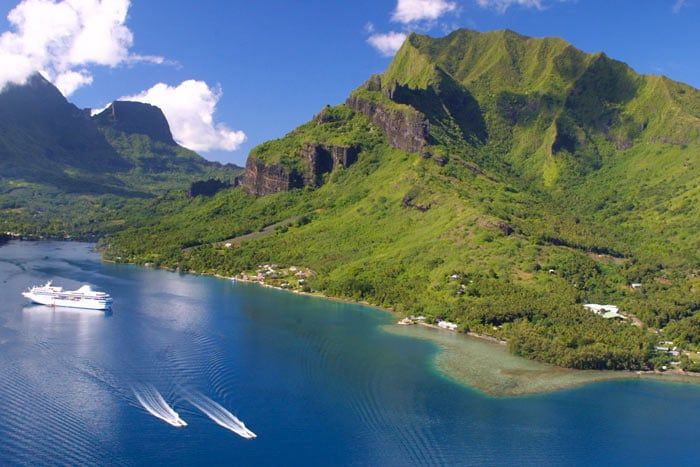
(541, 116)
(41, 132)
(492, 179)
(136, 118)
(140, 133)
(65, 172)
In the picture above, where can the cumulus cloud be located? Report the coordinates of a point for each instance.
(61, 39)
(414, 15)
(387, 43)
(189, 108)
(411, 11)
(68, 81)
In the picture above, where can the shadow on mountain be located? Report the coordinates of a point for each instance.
(446, 100)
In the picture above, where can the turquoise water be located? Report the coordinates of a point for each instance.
(316, 380)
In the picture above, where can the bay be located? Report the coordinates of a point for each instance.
(319, 382)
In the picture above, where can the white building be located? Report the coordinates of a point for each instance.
(600, 309)
(447, 325)
(606, 311)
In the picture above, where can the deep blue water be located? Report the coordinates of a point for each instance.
(318, 381)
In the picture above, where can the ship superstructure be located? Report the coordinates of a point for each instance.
(84, 297)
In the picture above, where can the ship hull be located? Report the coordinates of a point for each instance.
(85, 304)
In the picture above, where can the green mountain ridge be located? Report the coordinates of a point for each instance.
(63, 172)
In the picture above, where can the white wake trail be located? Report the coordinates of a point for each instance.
(220, 415)
(151, 400)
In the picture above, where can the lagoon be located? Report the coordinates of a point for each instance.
(319, 382)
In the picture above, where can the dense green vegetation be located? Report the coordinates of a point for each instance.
(551, 178)
(407, 256)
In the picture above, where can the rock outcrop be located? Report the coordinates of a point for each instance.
(406, 129)
(319, 159)
(323, 159)
(136, 118)
(260, 179)
(207, 187)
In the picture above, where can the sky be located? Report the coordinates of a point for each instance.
(232, 74)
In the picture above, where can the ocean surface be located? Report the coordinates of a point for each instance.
(319, 382)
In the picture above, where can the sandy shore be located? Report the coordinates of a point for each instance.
(487, 366)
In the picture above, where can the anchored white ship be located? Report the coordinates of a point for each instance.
(84, 297)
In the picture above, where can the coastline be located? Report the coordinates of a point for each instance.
(492, 370)
(501, 375)
(307, 294)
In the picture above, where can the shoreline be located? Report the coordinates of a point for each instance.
(307, 294)
(580, 377)
(476, 335)
(454, 369)
(493, 371)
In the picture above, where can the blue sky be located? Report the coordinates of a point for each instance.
(271, 65)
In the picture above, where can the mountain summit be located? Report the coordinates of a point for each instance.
(535, 108)
(41, 132)
(136, 118)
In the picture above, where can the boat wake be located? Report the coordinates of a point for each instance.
(151, 400)
(220, 415)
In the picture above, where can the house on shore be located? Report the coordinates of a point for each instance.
(447, 325)
(606, 311)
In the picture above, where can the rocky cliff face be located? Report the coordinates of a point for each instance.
(323, 159)
(261, 179)
(136, 118)
(207, 187)
(405, 128)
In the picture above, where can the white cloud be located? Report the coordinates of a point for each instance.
(189, 108)
(502, 5)
(68, 81)
(387, 43)
(63, 38)
(411, 11)
(414, 15)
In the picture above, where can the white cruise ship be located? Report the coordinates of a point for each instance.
(84, 297)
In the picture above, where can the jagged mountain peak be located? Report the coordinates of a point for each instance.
(136, 118)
